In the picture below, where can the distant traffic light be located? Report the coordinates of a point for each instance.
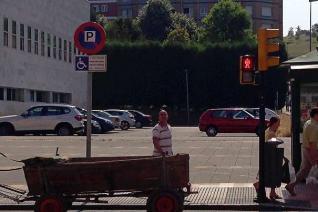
(247, 69)
(265, 47)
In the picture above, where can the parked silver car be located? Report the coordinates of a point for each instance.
(115, 119)
(127, 119)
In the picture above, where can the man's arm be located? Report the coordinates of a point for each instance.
(312, 144)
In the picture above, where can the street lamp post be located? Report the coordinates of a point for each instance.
(187, 87)
(310, 30)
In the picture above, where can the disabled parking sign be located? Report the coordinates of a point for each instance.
(81, 63)
(90, 38)
(91, 63)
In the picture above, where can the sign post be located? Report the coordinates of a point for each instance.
(90, 38)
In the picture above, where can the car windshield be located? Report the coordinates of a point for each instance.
(101, 114)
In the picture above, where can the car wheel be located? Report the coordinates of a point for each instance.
(6, 130)
(124, 125)
(211, 131)
(138, 124)
(64, 131)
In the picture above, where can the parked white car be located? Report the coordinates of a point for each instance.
(62, 120)
(127, 119)
(103, 114)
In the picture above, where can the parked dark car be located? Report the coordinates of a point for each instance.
(105, 124)
(96, 128)
(142, 120)
(228, 120)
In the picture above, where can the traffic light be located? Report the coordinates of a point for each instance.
(247, 69)
(265, 47)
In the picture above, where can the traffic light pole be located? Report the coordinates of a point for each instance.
(261, 195)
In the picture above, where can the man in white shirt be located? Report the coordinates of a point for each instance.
(161, 136)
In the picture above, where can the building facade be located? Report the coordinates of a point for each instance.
(264, 13)
(37, 53)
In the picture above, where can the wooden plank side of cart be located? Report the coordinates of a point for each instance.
(108, 174)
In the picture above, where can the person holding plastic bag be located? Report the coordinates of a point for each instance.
(309, 150)
(270, 132)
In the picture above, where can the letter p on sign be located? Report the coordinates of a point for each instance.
(90, 36)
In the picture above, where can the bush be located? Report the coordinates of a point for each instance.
(151, 74)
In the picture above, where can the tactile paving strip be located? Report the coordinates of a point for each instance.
(208, 195)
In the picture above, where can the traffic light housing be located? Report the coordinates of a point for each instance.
(266, 47)
(247, 69)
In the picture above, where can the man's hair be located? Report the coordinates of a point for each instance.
(313, 112)
(163, 111)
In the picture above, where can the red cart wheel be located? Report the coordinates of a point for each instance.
(49, 204)
(165, 201)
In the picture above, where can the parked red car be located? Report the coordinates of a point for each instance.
(228, 120)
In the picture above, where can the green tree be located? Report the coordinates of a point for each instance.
(123, 29)
(315, 31)
(227, 21)
(181, 21)
(178, 35)
(298, 32)
(155, 19)
(291, 32)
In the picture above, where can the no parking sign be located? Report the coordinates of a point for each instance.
(90, 38)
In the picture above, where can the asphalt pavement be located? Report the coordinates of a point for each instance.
(226, 158)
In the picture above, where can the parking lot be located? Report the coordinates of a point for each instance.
(226, 158)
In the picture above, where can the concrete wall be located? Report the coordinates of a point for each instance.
(21, 69)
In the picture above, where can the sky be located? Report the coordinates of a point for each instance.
(296, 12)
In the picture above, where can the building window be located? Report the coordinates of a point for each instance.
(104, 8)
(126, 13)
(5, 32)
(42, 96)
(249, 10)
(267, 26)
(32, 96)
(187, 11)
(36, 41)
(14, 34)
(70, 52)
(266, 11)
(22, 37)
(65, 51)
(1, 94)
(65, 98)
(54, 47)
(42, 44)
(29, 39)
(203, 11)
(60, 49)
(48, 45)
(14, 94)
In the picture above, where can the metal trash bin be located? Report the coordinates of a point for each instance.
(273, 163)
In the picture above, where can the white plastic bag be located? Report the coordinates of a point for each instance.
(313, 176)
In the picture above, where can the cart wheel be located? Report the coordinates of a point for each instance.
(165, 201)
(49, 204)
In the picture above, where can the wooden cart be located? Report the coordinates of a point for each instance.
(55, 184)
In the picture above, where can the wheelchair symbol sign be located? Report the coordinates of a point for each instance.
(81, 63)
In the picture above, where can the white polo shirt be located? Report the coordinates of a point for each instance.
(164, 134)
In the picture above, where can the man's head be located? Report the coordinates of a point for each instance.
(163, 117)
(314, 113)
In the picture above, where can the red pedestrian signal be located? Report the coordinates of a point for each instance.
(247, 69)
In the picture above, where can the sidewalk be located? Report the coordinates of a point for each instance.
(221, 196)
